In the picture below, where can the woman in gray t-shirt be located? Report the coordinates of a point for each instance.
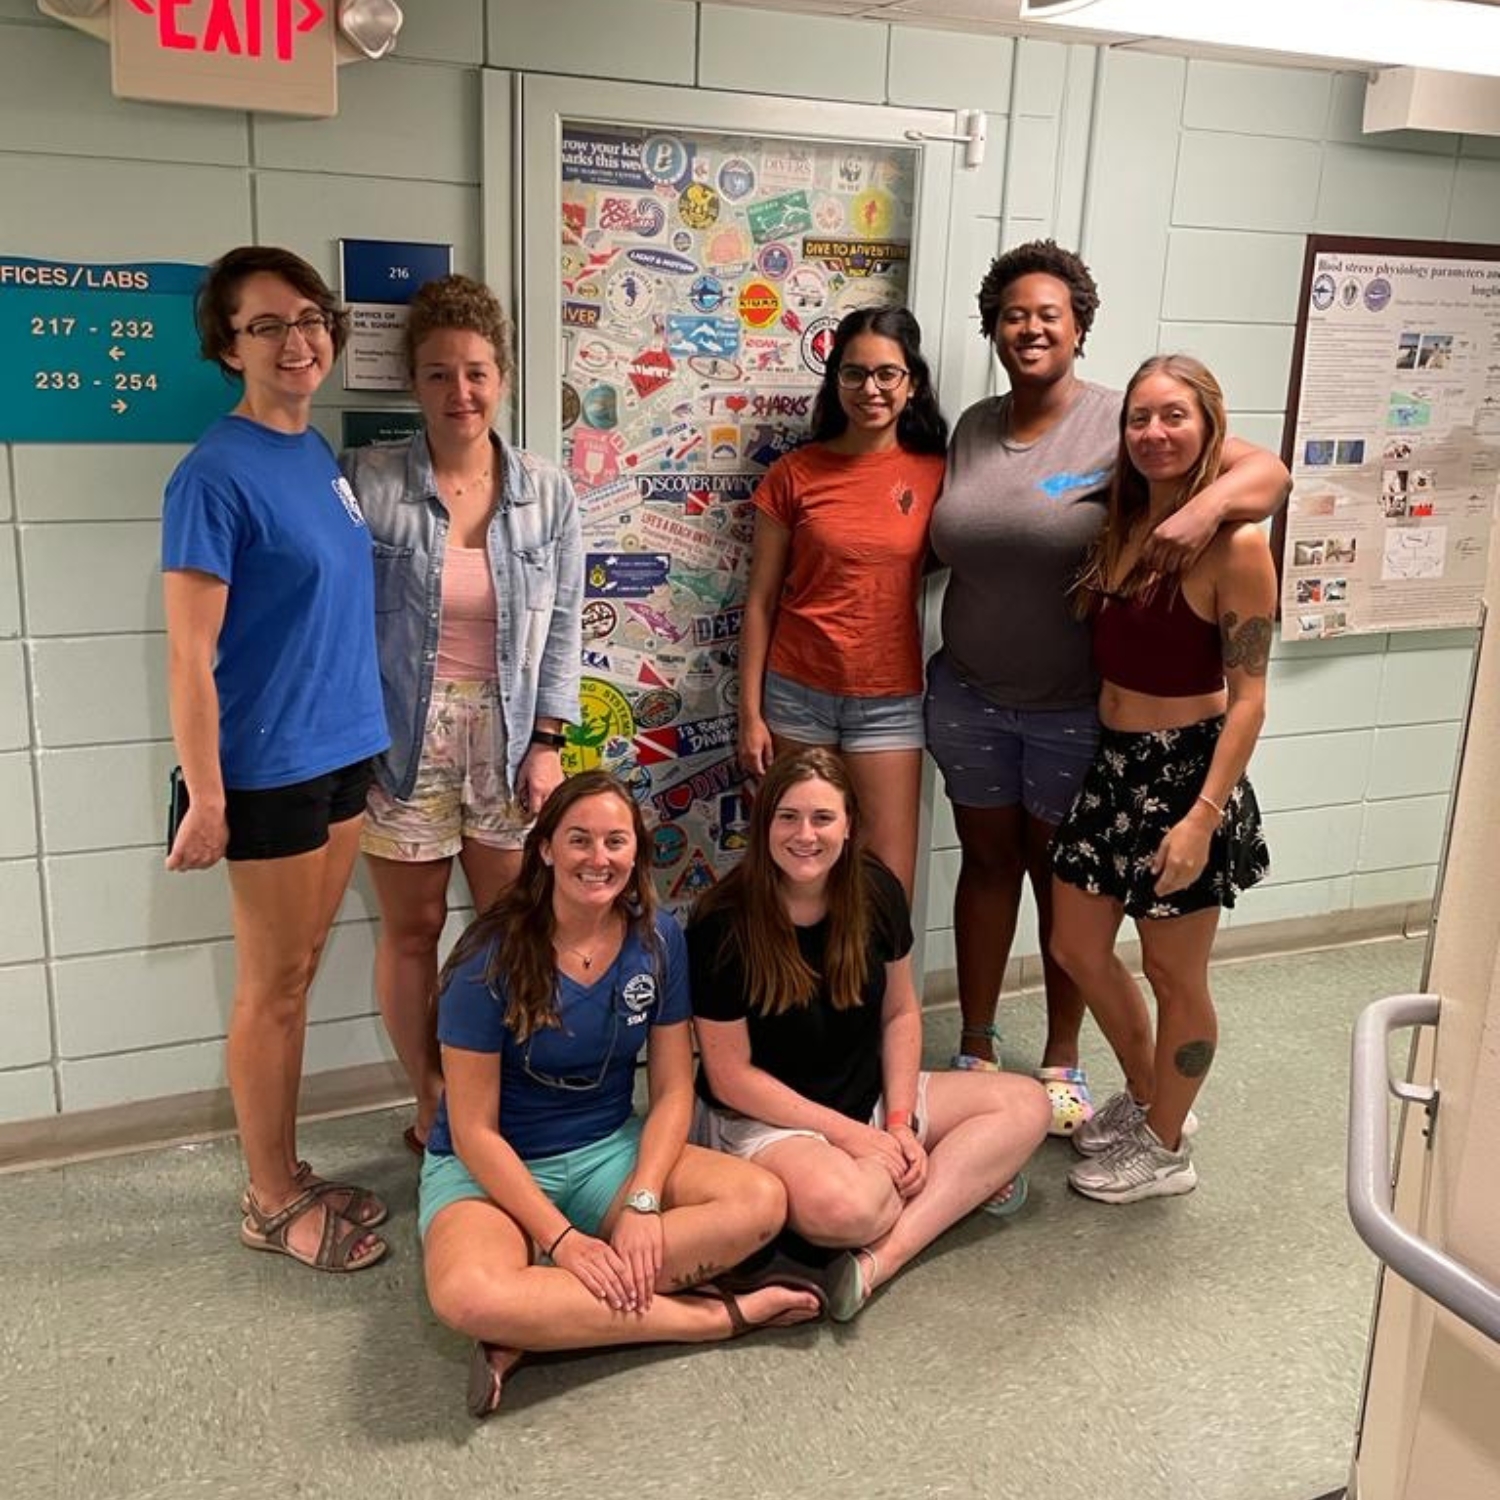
(1010, 696)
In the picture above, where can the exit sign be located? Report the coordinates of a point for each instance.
(274, 55)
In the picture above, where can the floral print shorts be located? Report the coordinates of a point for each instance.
(1137, 788)
(461, 790)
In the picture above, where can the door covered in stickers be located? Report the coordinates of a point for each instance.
(702, 278)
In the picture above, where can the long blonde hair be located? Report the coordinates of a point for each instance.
(1130, 494)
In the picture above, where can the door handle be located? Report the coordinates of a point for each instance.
(1427, 1268)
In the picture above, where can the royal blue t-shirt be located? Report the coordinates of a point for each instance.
(298, 678)
(603, 1029)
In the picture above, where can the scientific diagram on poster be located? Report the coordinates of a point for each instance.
(702, 279)
(1394, 448)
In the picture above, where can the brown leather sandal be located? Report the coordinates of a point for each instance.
(361, 1207)
(336, 1248)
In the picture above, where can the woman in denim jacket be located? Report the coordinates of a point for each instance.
(478, 578)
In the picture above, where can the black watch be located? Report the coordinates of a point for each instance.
(548, 737)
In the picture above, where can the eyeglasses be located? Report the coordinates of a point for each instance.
(278, 330)
(886, 377)
(575, 1083)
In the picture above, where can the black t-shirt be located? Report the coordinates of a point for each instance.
(829, 1056)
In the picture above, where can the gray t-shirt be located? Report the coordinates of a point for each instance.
(1013, 522)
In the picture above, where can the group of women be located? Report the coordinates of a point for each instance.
(1105, 570)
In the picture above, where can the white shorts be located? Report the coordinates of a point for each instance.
(739, 1135)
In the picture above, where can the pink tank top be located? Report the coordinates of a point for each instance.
(466, 641)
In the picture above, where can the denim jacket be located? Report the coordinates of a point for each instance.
(536, 555)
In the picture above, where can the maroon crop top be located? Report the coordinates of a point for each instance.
(1157, 645)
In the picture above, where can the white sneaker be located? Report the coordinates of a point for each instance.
(1136, 1167)
(1116, 1118)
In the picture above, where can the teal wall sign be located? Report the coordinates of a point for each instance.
(103, 354)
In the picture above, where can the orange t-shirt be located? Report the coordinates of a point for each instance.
(846, 622)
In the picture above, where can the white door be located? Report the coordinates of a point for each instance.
(1430, 1428)
(684, 258)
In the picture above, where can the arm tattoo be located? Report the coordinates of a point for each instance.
(1247, 644)
(1193, 1059)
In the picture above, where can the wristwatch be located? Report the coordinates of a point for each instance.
(643, 1201)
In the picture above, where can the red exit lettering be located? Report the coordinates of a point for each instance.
(239, 27)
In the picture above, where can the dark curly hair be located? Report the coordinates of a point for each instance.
(921, 427)
(1048, 258)
(458, 302)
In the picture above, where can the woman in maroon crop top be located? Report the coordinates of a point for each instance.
(1165, 828)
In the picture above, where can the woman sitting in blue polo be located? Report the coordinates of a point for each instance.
(546, 1003)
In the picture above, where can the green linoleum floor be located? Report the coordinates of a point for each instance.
(1200, 1348)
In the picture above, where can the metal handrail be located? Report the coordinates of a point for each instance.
(1439, 1276)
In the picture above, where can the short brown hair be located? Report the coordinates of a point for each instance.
(1048, 258)
(458, 302)
(219, 297)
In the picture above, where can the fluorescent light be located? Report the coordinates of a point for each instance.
(1451, 35)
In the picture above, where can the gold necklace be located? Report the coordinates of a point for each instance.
(470, 484)
(585, 958)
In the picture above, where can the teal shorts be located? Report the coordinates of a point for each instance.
(582, 1183)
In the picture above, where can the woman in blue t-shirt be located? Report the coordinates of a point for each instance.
(276, 711)
(546, 1003)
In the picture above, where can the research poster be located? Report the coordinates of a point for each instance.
(1395, 447)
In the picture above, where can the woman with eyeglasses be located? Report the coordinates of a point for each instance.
(535, 1152)
(830, 649)
(811, 1038)
(478, 584)
(276, 712)
(1011, 694)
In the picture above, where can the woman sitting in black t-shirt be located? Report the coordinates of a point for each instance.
(811, 1040)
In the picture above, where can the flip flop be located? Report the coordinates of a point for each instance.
(1010, 1199)
(484, 1392)
(849, 1286)
(779, 1270)
(739, 1324)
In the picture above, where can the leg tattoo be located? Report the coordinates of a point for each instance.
(1193, 1059)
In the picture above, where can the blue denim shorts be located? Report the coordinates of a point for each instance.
(996, 757)
(810, 717)
(582, 1183)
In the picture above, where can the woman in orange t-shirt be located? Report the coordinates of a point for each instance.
(830, 652)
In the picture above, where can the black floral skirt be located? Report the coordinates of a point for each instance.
(1139, 786)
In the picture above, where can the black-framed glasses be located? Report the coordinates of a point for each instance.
(278, 330)
(886, 377)
(575, 1083)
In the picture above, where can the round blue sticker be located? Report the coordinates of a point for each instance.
(665, 159)
(736, 179)
(1377, 294)
(706, 294)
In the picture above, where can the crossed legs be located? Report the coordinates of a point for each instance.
(1166, 1070)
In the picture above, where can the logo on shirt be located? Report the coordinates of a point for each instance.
(639, 995)
(1055, 486)
(346, 499)
(901, 493)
